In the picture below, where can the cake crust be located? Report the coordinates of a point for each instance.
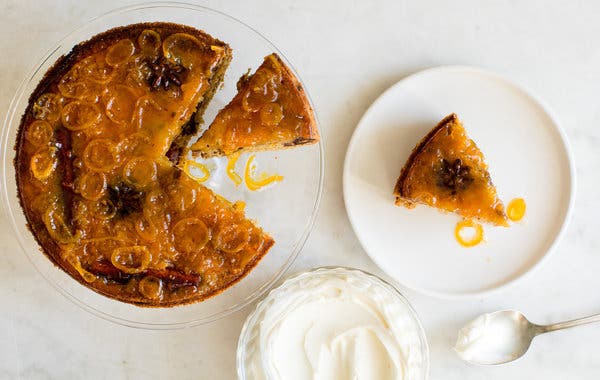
(401, 189)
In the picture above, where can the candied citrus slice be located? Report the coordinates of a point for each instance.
(43, 163)
(468, 241)
(47, 107)
(132, 259)
(137, 71)
(182, 197)
(100, 155)
(271, 74)
(96, 69)
(71, 85)
(148, 113)
(256, 241)
(120, 105)
(271, 114)
(151, 287)
(94, 92)
(39, 133)
(190, 235)
(140, 171)
(149, 42)
(80, 115)
(76, 263)
(145, 229)
(253, 182)
(291, 123)
(258, 96)
(154, 204)
(104, 209)
(183, 49)
(120, 52)
(92, 185)
(56, 226)
(231, 238)
(205, 173)
(136, 144)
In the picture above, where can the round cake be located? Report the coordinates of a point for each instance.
(97, 176)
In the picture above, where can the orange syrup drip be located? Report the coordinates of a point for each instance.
(516, 209)
(205, 172)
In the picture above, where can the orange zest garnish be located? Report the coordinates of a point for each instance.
(469, 241)
(231, 173)
(516, 209)
(203, 169)
(253, 183)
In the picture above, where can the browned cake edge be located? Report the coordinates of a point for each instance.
(311, 138)
(143, 302)
(400, 190)
(313, 135)
(34, 223)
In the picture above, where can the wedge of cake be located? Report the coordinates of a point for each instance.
(446, 170)
(95, 157)
(270, 111)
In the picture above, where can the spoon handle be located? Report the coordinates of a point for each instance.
(571, 323)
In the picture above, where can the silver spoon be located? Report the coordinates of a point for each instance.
(504, 336)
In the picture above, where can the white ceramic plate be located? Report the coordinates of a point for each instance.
(528, 156)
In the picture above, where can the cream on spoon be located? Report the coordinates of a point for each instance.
(504, 336)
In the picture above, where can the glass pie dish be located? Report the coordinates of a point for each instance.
(286, 209)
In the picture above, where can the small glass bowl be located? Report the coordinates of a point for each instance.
(286, 211)
(249, 334)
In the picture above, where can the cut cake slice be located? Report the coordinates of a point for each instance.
(446, 170)
(270, 111)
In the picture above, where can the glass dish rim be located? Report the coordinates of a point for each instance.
(12, 121)
(252, 318)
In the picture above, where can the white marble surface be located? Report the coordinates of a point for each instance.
(549, 46)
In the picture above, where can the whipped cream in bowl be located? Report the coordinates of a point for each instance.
(333, 324)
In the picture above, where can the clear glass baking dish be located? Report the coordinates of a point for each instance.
(287, 211)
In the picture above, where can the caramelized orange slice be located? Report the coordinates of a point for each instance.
(468, 241)
(40, 133)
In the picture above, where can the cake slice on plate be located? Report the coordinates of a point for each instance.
(446, 170)
(269, 112)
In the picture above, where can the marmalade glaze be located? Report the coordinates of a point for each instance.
(99, 192)
(516, 209)
(270, 111)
